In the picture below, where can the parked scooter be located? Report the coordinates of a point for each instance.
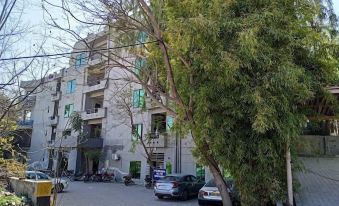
(128, 180)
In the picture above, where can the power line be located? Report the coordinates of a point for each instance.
(76, 52)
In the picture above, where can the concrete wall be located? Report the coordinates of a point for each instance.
(38, 191)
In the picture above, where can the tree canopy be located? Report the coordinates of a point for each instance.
(249, 67)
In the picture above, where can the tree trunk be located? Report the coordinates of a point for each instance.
(220, 183)
(289, 176)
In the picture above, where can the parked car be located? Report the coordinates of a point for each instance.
(177, 185)
(58, 184)
(210, 195)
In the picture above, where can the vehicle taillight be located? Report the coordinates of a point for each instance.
(175, 184)
(202, 193)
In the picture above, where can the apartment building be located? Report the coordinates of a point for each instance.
(101, 92)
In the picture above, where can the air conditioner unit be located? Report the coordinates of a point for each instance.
(116, 157)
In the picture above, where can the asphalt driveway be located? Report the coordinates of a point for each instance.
(115, 194)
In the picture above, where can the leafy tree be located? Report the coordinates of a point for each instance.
(251, 65)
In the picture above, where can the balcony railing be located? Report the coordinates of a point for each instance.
(95, 85)
(89, 142)
(94, 113)
(25, 123)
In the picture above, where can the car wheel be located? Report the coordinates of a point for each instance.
(184, 195)
(160, 197)
(59, 187)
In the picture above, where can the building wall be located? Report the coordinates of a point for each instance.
(116, 126)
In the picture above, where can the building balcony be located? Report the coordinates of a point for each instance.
(53, 120)
(56, 96)
(156, 140)
(94, 113)
(91, 142)
(25, 124)
(95, 85)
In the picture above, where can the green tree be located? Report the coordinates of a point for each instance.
(251, 65)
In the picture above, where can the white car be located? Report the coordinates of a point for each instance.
(210, 195)
(58, 183)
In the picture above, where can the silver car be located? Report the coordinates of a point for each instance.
(58, 184)
(210, 195)
(177, 185)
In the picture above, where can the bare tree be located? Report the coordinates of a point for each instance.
(125, 20)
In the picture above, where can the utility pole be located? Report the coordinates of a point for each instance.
(289, 176)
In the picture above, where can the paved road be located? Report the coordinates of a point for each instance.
(114, 194)
(319, 182)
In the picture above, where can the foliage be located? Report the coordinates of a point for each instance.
(94, 155)
(251, 67)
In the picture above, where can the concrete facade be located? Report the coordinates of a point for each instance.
(99, 88)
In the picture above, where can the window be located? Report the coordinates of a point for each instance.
(139, 64)
(41, 176)
(80, 60)
(71, 85)
(200, 172)
(158, 123)
(69, 109)
(142, 37)
(136, 131)
(134, 169)
(138, 98)
(169, 122)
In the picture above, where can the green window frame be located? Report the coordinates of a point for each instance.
(142, 37)
(71, 86)
(200, 172)
(138, 98)
(80, 60)
(136, 132)
(69, 109)
(139, 64)
(135, 169)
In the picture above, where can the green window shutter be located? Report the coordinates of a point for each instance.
(71, 109)
(136, 132)
(141, 98)
(169, 122)
(68, 89)
(142, 37)
(73, 85)
(66, 113)
(135, 98)
(139, 64)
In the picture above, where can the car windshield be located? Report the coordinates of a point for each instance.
(210, 183)
(171, 178)
(42, 176)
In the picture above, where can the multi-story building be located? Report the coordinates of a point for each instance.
(110, 106)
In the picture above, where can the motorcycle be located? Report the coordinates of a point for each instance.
(128, 180)
(149, 183)
(106, 177)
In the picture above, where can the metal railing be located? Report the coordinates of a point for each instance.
(25, 122)
(93, 110)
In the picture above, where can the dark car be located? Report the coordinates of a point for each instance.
(177, 185)
(209, 194)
